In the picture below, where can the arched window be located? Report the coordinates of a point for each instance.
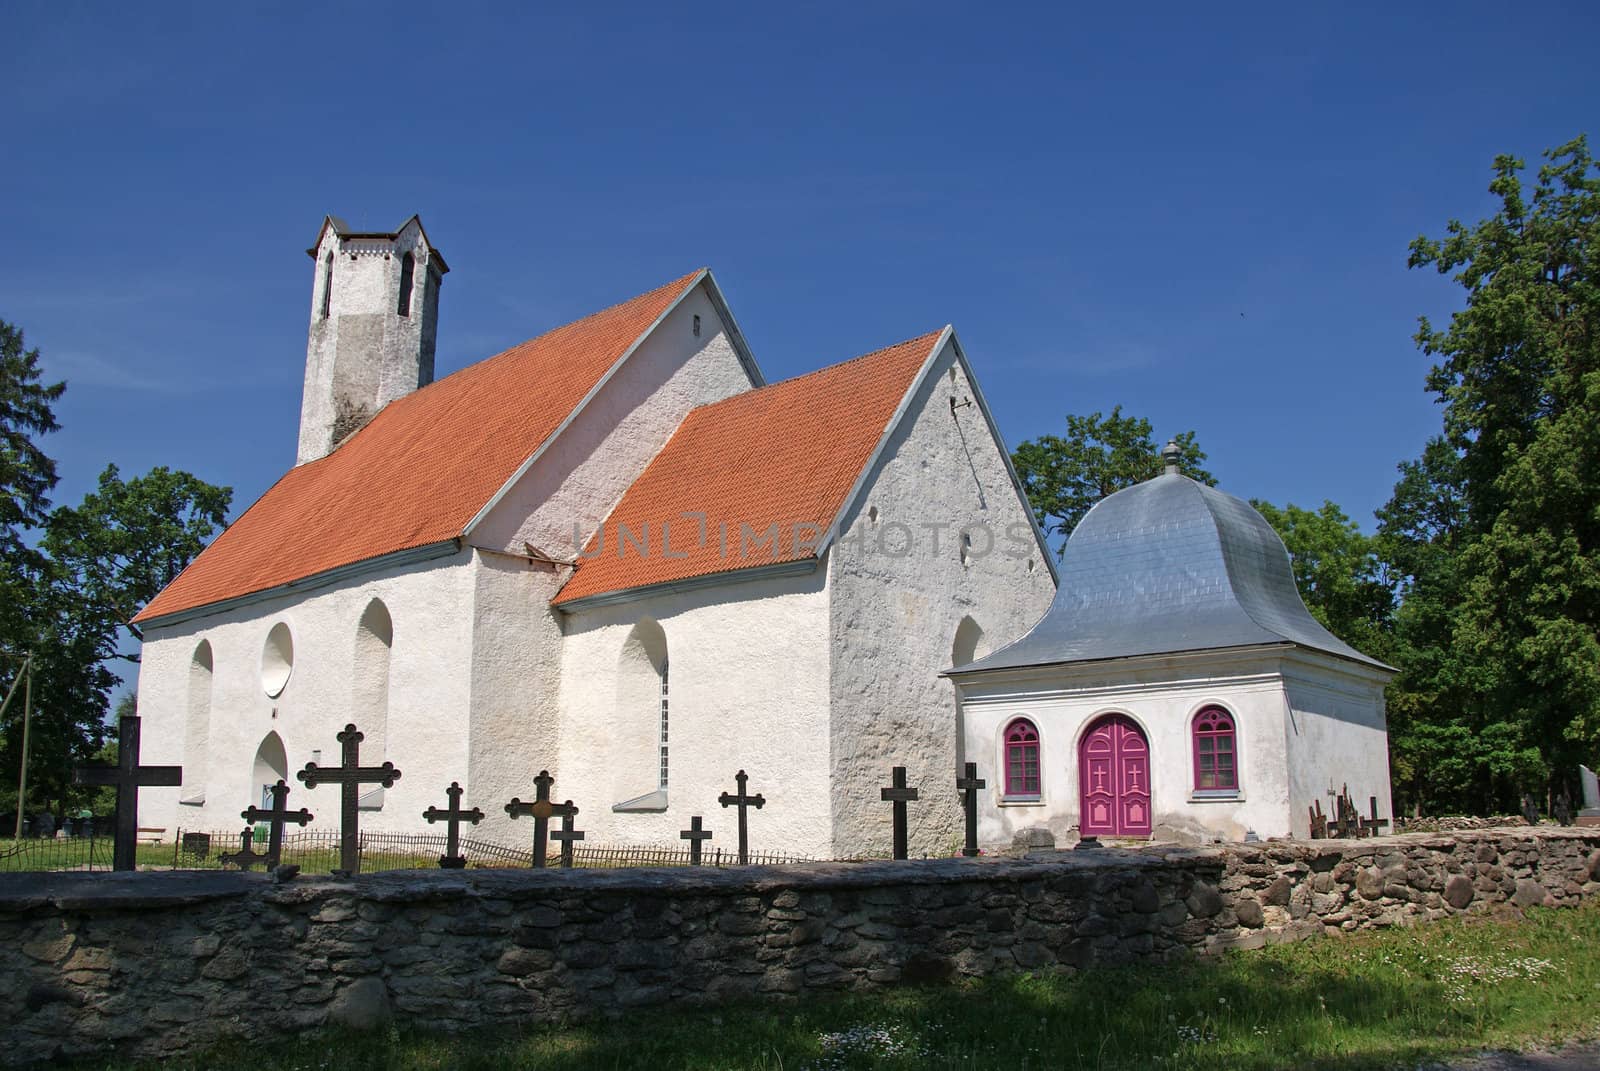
(369, 705)
(327, 285)
(197, 726)
(664, 665)
(408, 270)
(1215, 768)
(1022, 760)
(638, 755)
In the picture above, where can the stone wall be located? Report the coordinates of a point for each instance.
(155, 963)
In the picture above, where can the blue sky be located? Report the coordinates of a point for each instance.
(1200, 212)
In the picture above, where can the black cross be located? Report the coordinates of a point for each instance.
(566, 834)
(968, 787)
(899, 794)
(541, 809)
(277, 816)
(694, 835)
(349, 775)
(1374, 825)
(245, 857)
(453, 815)
(129, 777)
(742, 801)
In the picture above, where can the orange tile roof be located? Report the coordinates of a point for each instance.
(420, 471)
(784, 454)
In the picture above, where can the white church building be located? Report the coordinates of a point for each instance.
(615, 552)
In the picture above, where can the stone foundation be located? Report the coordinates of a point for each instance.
(153, 964)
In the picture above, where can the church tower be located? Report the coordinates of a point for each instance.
(374, 319)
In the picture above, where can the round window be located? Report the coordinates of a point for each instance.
(277, 660)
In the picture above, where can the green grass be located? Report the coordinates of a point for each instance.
(1382, 1000)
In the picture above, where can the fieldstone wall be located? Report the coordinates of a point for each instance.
(152, 964)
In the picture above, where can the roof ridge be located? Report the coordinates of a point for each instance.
(931, 336)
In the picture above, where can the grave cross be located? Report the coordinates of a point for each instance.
(566, 834)
(128, 776)
(694, 835)
(1371, 827)
(742, 801)
(453, 816)
(245, 857)
(276, 816)
(899, 794)
(349, 775)
(1319, 821)
(968, 787)
(541, 809)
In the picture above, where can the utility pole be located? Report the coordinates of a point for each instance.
(25, 678)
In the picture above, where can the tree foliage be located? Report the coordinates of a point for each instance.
(72, 577)
(1341, 576)
(1064, 475)
(1494, 531)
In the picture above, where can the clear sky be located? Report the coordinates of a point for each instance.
(1200, 211)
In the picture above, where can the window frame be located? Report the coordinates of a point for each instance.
(1009, 791)
(1198, 733)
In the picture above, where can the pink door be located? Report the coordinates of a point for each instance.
(1114, 779)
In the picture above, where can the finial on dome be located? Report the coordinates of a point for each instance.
(1171, 454)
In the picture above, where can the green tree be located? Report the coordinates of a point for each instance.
(1339, 571)
(74, 576)
(1494, 532)
(1064, 475)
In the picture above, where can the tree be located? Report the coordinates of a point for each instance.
(1495, 531)
(1064, 476)
(1341, 577)
(72, 577)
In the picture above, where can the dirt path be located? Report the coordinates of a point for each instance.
(1584, 1057)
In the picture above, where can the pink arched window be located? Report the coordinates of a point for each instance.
(1022, 759)
(1215, 767)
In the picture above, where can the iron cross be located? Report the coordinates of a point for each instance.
(1373, 826)
(453, 816)
(968, 787)
(541, 809)
(129, 777)
(694, 835)
(898, 793)
(350, 775)
(742, 801)
(245, 857)
(566, 834)
(277, 816)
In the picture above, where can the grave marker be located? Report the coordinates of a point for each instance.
(276, 817)
(694, 835)
(742, 800)
(899, 795)
(246, 857)
(453, 816)
(566, 834)
(541, 810)
(349, 775)
(968, 786)
(128, 777)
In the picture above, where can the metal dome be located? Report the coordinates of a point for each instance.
(1170, 565)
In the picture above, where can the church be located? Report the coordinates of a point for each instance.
(616, 553)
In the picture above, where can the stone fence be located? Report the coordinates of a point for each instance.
(151, 964)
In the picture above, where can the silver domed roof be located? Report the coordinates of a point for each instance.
(1170, 565)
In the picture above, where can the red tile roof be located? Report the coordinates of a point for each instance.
(784, 454)
(420, 471)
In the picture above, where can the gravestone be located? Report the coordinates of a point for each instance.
(695, 836)
(566, 834)
(742, 800)
(128, 777)
(453, 816)
(968, 785)
(541, 810)
(898, 794)
(1589, 814)
(349, 775)
(246, 857)
(276, 816)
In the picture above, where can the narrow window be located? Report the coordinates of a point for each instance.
(327, 285)
(1022, 759)
(697, 325)
(408, 271)
(1214, 752)
(664, 666)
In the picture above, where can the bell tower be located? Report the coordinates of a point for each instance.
(374, 320)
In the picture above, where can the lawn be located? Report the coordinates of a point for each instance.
(1381, 1000)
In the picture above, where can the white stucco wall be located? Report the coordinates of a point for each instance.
(1299, 720)
(1338, 736)
(583, 474)
(894, 617)
(749, 689)
(429, 603)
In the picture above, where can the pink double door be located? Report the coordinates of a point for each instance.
(1114, 779)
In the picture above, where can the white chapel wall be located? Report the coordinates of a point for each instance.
(1338, 737)
(427, 698)
(894, 619)
(749, 689)
(594, 460)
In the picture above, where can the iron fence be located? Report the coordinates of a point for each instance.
(58, 853)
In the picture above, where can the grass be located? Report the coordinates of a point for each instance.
(1383, 1000)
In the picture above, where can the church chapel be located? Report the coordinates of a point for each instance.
(616, 553)
(613, 552)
